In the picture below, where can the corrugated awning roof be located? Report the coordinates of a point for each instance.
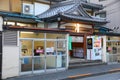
(25, 28)
(107, 33)
(23, 20)
(19, 17)
(102, 28)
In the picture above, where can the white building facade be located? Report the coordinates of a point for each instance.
(111, 12)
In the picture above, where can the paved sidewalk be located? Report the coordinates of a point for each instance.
(72, 73)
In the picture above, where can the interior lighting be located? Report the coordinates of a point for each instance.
(77, 28)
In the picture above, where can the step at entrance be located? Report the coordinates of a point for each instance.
(84, 63)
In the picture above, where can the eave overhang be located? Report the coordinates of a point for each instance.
(74, 18)
(102, 28)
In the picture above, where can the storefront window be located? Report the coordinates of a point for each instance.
(42, 54)
(113, 48)
(26, 64)
(31, 35)
(113, 44)
(50, 47)
(61, 47)
(61, 61)
(26, 47)
(39, 63)
(55, 36)
(39, 48)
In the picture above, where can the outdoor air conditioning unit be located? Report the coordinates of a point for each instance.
(27, 9)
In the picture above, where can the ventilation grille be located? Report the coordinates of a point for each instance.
(10, 38)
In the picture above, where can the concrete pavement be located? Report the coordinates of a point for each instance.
(112, 76)
(72, 74)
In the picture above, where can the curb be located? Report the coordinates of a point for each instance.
(79, 76)
(86, 65)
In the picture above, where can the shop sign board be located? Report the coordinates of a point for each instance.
(89, 43)
(77, 39)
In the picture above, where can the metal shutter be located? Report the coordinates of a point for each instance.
(10, 38)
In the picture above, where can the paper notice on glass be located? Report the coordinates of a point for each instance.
(51, 49)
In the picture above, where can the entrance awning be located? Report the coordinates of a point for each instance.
(25, 28)
(44, 30)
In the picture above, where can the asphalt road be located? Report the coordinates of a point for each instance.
(112, 76)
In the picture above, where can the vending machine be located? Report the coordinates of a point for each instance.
(94, 48)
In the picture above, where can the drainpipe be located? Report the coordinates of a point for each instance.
(1, 51)
(0, 54)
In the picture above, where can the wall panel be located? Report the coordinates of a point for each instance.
(16, 5)
(4, 5)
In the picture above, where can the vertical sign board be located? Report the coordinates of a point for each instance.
(89, 43)
(90, 46)
(0, 55)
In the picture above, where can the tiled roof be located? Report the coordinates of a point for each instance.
(67, 8)
(92, 5)
(55, 11)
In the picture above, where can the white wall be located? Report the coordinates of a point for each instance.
(10, 67)
(112, 7)
(104, 54)
(1, 23)
(113, 14)
(40, 25)
(53, 25)
(10, 57)
(40, 8)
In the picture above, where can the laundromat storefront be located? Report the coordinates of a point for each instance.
(42, 52)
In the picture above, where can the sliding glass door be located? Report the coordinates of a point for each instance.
(26, 55)
(39, 56)
(50, 54)
(32, 56)
(42, 54)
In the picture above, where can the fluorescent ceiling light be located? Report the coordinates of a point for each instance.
(27, 32)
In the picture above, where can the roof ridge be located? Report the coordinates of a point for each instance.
(63, 3)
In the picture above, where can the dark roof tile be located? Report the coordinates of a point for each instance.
(66, 9)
